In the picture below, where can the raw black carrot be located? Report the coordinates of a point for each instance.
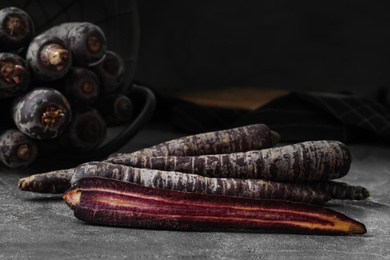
(17, 149)
(112, 202)
(246, 188)
(110, 71)
(86, 41)
(306, 161)
(85, 132)
(80, 86)
(42, 113)
(16, 28)
(50, 182)
(240, 139)
(48, 57)
(314, 192)
(116, 109)
(14, 75)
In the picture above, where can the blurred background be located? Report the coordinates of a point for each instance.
(336, 46)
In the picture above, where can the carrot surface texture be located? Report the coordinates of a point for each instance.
(240, 139)
(246, 188)
(306, 161)
(54, 182)
(112, 202)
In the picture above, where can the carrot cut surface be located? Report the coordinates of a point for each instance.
(112, 202)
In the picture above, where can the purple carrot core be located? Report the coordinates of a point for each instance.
(15, 25)
(10, 71)
(94, 43)
(24, 152)
(51, 116)
(54, 56)
(87, 87)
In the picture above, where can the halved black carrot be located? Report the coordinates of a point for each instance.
(112, 202)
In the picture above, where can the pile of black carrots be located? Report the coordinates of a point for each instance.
(237, 178)
(60, 87)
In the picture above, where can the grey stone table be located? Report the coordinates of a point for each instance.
(38, 226)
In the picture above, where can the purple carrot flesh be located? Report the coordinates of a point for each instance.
(240, 139)
(112, 202)
(307, 161)
(247, 188)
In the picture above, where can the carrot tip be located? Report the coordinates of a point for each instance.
(361, 193)
(72, 198)
(357, 229)
(22, 184)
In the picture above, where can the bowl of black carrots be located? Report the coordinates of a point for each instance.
(66, 79)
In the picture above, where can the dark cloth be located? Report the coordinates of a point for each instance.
(300, 116)
(296, 116)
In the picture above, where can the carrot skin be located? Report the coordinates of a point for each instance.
(246, 188)
(245, 138)
(51, 182)
(111, 202)
(59, 181)
(341, 190)
(240, 139)
(302, 162)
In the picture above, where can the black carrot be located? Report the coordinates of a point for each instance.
(111, 202)
(307, 161)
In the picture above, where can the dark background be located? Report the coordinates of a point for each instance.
(305, 45)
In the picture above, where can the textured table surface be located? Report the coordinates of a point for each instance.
(39, 226)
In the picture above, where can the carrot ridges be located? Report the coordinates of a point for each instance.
(187, 182)
(239, 139)
(302, 162)
(50, 182)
